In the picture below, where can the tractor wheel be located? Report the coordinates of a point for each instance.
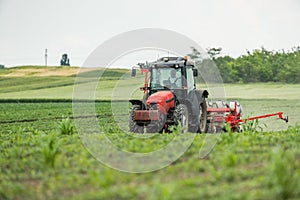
(153, 129)
(181, 115)
(133, 126)
(203, 126)
(157, 127)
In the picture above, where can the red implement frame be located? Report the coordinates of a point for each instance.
(233, 118)
(146, 71)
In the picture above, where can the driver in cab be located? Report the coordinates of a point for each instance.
(174, 80)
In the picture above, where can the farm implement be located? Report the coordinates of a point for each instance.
(219, 112)
(171, 98)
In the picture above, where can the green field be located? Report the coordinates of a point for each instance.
(42, 157)
(256, 99)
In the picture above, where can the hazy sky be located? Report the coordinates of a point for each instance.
(27, 27)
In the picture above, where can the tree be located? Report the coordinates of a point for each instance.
(259, 65)
(65, 61)
(214, 52)
(195, 55)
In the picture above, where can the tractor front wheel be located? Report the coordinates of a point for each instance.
(133, 126)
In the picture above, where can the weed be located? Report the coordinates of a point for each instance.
(101, 178)
(50, 150)
(230, 160)
(253, 126)
(175, 129)
(228, 137)
(295, 129)
(65, 127)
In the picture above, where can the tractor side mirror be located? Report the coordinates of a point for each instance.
(195, 72)
(133, 72)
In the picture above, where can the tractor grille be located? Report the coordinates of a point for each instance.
(146, 115)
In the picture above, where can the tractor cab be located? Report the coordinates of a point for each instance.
(172, 73)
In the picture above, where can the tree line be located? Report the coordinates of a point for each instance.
(259, 65)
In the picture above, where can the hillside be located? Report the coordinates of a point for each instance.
(31, 82)
(42, 71)
(57, 83)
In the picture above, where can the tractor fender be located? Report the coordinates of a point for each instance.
(196, 97)
(137, 102)
(201, 94)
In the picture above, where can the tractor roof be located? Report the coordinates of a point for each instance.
(172, 62)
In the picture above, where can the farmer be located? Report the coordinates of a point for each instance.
(174, 80)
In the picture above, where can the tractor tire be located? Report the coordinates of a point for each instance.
(199, 123)
(157, 127)
(133, 126)
(203, 125)
(181, 115)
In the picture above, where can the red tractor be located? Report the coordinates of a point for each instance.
(170, 98)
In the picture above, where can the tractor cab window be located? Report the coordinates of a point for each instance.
(190, 79)
(166, 77)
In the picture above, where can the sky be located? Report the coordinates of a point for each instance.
(76, 27)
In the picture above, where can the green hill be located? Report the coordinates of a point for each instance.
(37, 82)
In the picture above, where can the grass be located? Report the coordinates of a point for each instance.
(282, 181)
(42, 157)
(263, 91)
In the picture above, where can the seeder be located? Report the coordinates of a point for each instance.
(219, 112)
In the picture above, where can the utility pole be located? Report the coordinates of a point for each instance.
(46, 55)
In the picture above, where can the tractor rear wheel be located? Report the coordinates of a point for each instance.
(203, 126)
(182, 117)
(133, 126)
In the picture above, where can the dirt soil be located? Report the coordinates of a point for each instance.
(50, 71)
